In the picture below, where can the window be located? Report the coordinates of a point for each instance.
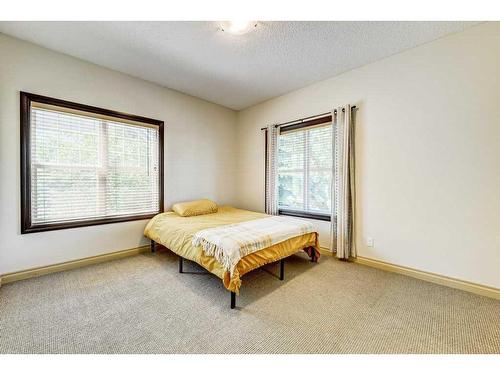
(82, 165)
(304, 169)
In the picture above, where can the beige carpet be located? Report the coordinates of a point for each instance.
(142, 305)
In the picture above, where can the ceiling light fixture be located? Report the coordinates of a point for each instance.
(238, 27)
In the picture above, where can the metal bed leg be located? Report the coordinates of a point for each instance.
(233, 300)
(180, 264)
(153, 246)
(282, 269)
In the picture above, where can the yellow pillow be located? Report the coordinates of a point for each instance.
(194, 208)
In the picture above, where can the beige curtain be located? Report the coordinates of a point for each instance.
(271, 155)
(343, 192)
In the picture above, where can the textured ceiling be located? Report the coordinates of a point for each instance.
(235, 71)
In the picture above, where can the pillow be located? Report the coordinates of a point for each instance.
(194, 208)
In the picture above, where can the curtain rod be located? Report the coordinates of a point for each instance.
(307, 118)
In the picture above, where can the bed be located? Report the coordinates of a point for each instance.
(176, 233)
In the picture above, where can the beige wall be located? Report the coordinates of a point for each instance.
(427, 149)
(199, 148)
(427, 153)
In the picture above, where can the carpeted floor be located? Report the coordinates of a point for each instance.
(142, 305)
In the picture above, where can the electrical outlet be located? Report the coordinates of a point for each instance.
(369, 242)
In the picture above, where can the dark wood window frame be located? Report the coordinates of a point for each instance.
(295, 126)
(306, 215)
(25, 114)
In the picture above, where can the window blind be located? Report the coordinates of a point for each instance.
(89, 167)
(305, 169)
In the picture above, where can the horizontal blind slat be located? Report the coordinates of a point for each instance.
(305, 170)
(91, 168)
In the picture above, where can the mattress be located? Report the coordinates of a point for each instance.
(176, 232)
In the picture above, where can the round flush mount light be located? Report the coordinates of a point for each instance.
(237, 27)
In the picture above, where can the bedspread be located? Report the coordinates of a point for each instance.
(176, 233)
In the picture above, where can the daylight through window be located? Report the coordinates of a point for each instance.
(305, 170)
(86, 167)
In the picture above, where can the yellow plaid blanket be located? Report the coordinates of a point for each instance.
(229, 243)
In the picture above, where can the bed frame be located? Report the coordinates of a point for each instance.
(233, 294)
